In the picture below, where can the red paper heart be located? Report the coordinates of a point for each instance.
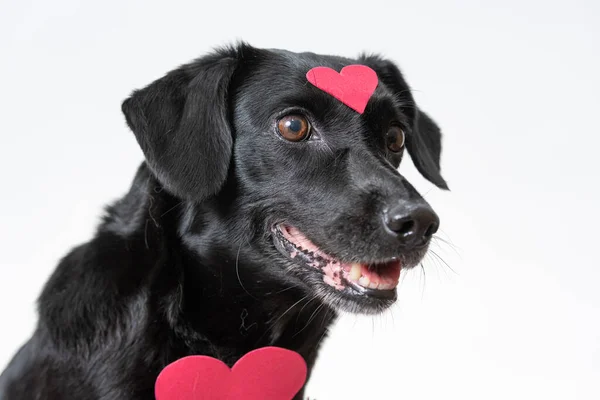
(353, 85)
(267, 373)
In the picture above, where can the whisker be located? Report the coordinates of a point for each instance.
(237, 272)
(447, 242)
(426, 193)
(313, 315)
(424, 280)
(325, 317)
(355, 321)
(430, 259)
(292, 306)
(325, 332)
(372, 328)
(328, 148)
(307, 303)
(443, 261)
(272, 325)
(146, 234)
(287, 288)
(171, 209)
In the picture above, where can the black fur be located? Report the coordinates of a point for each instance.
(185, 262)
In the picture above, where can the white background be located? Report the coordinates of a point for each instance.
(515, 86)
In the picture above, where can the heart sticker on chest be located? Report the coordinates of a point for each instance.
(267, 373)
(353, 85)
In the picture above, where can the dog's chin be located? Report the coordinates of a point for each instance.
(366, 288)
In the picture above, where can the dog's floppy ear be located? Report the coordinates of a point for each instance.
(424, 143)
(181, 123)
(425, 148)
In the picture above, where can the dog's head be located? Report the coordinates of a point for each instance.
(311, 185)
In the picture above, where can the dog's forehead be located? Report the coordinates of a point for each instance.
(282, 67)
(308, 60)
(279, 80)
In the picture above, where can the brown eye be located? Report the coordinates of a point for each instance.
(395, 139)
(293, 127)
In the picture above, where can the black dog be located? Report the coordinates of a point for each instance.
(209, 252)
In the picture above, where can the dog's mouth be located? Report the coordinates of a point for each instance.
(370, 279)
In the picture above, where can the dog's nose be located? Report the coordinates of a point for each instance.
(413, 225)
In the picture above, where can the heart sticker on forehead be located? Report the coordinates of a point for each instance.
(353, 85)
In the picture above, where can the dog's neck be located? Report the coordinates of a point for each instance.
(211, 290)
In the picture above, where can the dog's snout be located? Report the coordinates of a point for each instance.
(413, 225)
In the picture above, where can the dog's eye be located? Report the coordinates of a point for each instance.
(395, 139)
(293, 127)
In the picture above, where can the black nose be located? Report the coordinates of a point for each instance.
(413, 224)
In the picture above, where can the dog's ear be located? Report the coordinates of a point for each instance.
(425, 148)
(424, 143)
(181, 122)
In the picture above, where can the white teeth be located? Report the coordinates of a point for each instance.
(364, 281)
(355, 272)
(373, 285)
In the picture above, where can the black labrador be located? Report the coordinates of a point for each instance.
(263, 206)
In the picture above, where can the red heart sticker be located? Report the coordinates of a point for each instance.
(353, 85)
(267, 373)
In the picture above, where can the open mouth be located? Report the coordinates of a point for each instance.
(373, 279)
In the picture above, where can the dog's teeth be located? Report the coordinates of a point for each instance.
(355, 272)
(368, 284)
(373, 285)
(364, 281)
